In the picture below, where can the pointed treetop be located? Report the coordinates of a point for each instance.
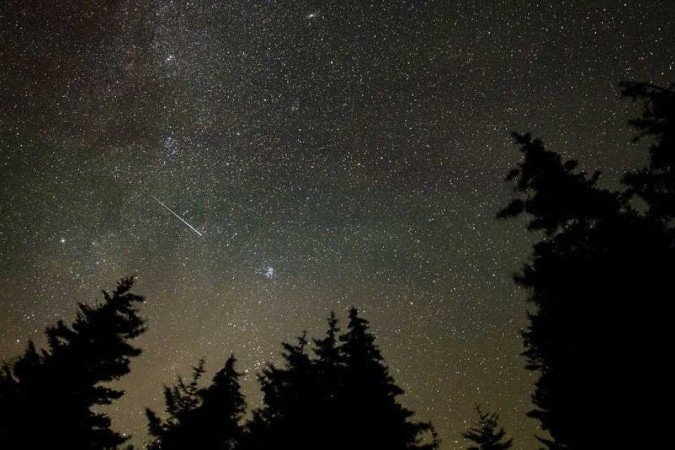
(487, 434)
(327, 348)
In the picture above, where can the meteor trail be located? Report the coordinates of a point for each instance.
(179, 217)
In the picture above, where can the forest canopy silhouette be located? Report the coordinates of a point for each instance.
(339, 382)
(599, 281)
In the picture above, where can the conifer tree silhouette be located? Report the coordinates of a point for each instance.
(487, 434)
(205, 418)
(655, 184)
(375, 418)
(599, 264)
(181, 400)
(329, 358)
(46, 396)
(329, 369)
(286, 419)
(342, 398)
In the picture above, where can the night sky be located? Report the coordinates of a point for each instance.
(328, 153)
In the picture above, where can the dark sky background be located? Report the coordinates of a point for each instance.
(331, 154)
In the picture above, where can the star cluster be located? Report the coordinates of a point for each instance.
(332, 153)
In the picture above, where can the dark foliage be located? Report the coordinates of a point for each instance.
(204, 418)
(600, 281)
(46, 396)
(655, 184)
(376, 419)
(342, 398)
(289, 417)
(487, 434)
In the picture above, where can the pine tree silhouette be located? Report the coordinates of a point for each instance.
(342, 398)
(222, 409)
(181, 400)
(655, 184)
(329, 358)
(329, 370)
(374, 416)
(46, 396)
(205, 418)
(290, 393)
(487, 434)
(599, 259)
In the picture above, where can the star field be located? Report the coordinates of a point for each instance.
(331, 153)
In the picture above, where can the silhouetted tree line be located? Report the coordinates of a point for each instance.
(600, 280)
(46, 396)
(334, 393)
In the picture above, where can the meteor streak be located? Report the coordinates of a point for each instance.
(179, 217)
